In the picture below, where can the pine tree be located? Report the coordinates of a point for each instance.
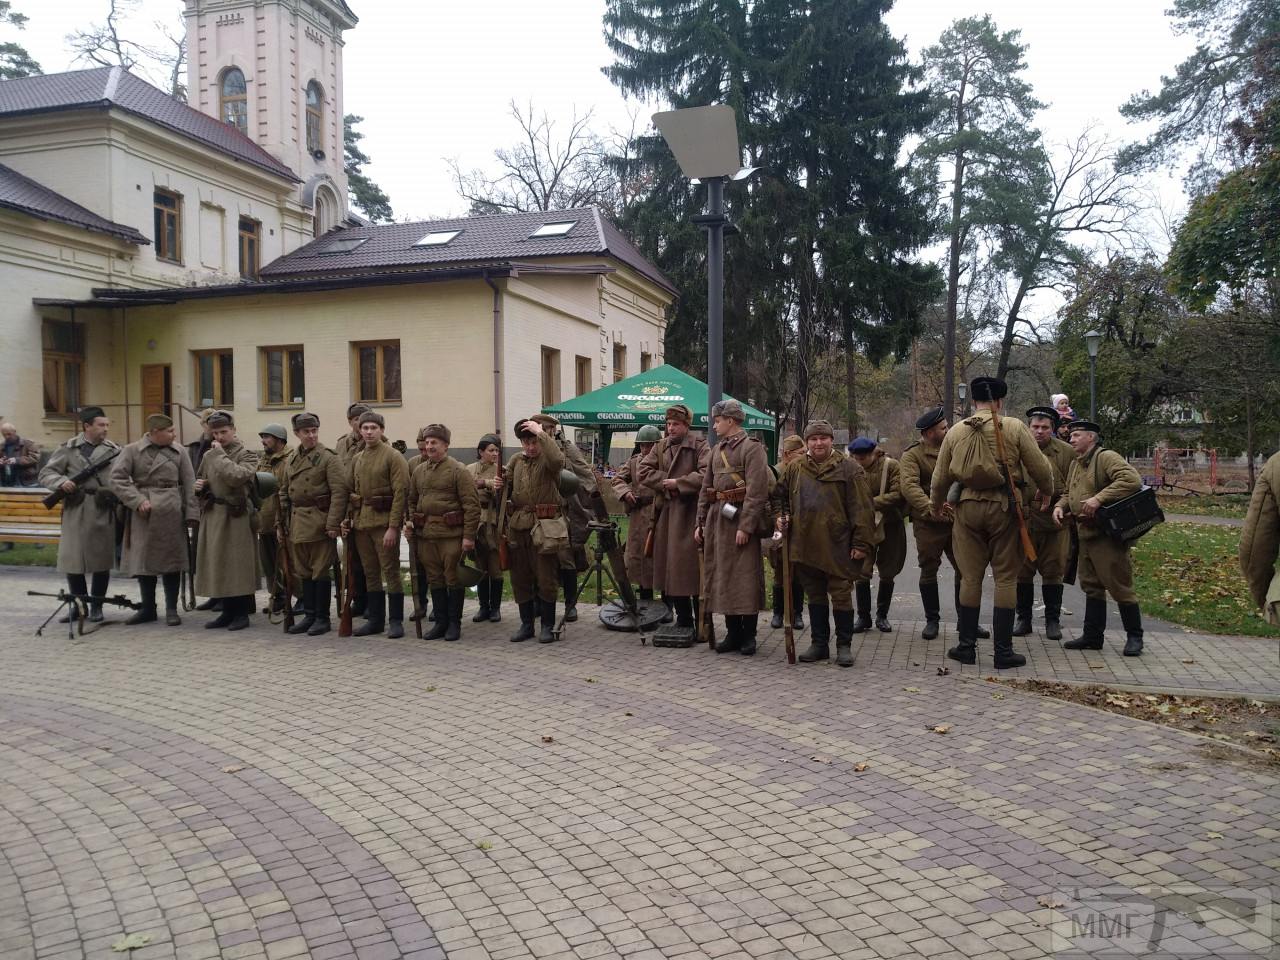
(366, 195)
(14, 60)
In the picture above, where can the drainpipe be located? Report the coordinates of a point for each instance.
(124, 336)
(499, 414)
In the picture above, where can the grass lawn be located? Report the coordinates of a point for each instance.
(1189, 573)
(1215, 505)
(30, 555)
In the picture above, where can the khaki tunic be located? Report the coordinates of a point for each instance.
(735, 574)
(675, 555)
(1260, 538)
(88, 541)
(639, 521)
(268, 518)
(227, 555)
(1052, 542)
(883, 481)
(157, 543)
(348, 445)
(533, 481)
(933, 537)
(309, 474)
(378, 472)
(1104, 565)
(483, 475)
(436, 489)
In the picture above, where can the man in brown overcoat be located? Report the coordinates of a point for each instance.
(227, 552)
(1260, 541)
(1052, 542)
(639, 505)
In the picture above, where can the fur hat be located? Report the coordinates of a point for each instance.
(818, 428)
(437, 430)
(370, 417)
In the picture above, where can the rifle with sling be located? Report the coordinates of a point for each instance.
(57, 495)
(284, 567)
(788, 606)
(348, 544)
(1028, 548)
(504, 551)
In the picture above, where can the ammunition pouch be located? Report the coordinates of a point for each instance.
(550, 535)
(105, 499)
(419, 520)
(451, 519)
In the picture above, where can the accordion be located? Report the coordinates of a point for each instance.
(1126, 520)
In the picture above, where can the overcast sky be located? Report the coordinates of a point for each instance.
(433, 79)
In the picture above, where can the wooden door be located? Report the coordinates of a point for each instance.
(156, 384)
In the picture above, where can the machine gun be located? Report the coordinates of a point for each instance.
(76, 604)
(57, 495)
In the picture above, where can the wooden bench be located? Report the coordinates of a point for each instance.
(25, 519)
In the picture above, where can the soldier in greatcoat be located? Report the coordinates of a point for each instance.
(275, 456)
(1099, 477)
(737, 476)
(155, 483)
(827, 515)
(889, 554)
(444, 512)
(1052, 542)
(227, 553)
(1260, 541)
(484, 474)
(791, 448)
(313, 503)
(379, 484)
(87, 544)
(346, 447)
(537, 529)
(577, 510)
(196, 450)
(638, 502)
(674, 470)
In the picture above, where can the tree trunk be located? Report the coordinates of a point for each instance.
(1249, 444)
(850, 381)
(953, 291)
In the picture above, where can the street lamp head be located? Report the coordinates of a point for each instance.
(962, 391)
(1091, 341)
(703, 139)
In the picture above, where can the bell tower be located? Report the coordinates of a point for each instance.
(273, 69)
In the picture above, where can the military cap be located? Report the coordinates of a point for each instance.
(206, 413)
(648, 434)
(488, 438)
(793, 442)
(399, 446)
(862, 445)
(729, 408)
(986, 389)
(159, 421)
(274, 430)
(546, 419)
(930, 418)
(523, 432)
(221, 418)
(1048, 413)
(680, 412)
(370, 417)
(818, 428)
(356, 409)
(90, 414)
(304, 421)
(437, 430)
(1075, 425)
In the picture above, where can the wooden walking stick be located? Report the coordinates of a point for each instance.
(788, 607)
(1028, 547)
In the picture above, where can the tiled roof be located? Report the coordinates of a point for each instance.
(25, 195)
(104, 87)
(500, 237)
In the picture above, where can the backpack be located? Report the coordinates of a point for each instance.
(972, 461)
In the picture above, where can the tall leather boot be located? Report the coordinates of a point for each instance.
(819, 634)
(548, 610)
(457, 597)
(748, 623)
(1002, 629)
(966, 648)
(213, 603)
(569, 584)
(862, 590)
(243, 607)
(495, 599)
(1095, 625)
(227, 606)
(309, 608)
(932, 615)
(1052, 593)
(684, 611)
(1026, 598)
(979, 631)
(98, 589)
(321, 592)
(75, 584)
(147, 612)
(884, 598)
(482, 597)
(395, 616)
(732, 636)
(797, 605)
(844, 637)
(775, 623)
(376, 606)
(172, 584)
(645, 593)
(526, 622)
(671, 610)
(1131, 617)
(440, 603)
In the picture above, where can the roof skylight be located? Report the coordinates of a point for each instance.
(557, 229)
(437, 238)
(342, 245)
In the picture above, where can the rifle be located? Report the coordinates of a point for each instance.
(788, 612)
(348, 544)
(504, 554)
(1028, 547)
(706, 626)
(189, 593)
(57, 495)
(412, 536)
(76, 603)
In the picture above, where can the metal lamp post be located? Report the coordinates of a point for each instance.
(1092, 340)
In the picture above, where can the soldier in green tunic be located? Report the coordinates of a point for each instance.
(1098, 477)
(484, 473)
(1052, 542)
(537, 530)
(889, 554)
(346, 447)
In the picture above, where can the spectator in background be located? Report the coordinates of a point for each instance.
(1062, 404)
(20, 459)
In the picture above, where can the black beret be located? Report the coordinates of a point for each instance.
(90, 414)
(1048, 413)
(985, 389)
(929, 418)
(1084, 425)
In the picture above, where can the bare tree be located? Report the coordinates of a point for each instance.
(107, 45)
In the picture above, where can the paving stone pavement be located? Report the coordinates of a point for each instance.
(252, 795)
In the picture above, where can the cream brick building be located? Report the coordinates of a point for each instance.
(160, 255)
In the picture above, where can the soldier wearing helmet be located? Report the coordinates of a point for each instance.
(639, 502)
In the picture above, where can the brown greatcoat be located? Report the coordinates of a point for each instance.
(157, 543)
(1260, 538)
(735, 574)
(378, 472)
(439, 488)
(831, 512)
(639, 521)
(309, 474)
(88, 540)
(227, 551)
(675, 555)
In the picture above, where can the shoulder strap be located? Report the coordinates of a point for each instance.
(884, 477)
(737, 477)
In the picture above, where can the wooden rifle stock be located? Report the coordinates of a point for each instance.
(348, 544)
(412, 536)
(284, 568)
(1028, 548)
(504, 552)
(788, 611)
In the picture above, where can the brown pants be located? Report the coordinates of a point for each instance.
(1052, 547)
(933, 541)
(819, 585)
(314, 559)
(986, 535)
(381, 565)
(1105, 568)
(439, 559)
(532, 571)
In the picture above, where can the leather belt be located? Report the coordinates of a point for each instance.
(546, 511)
(735, 495)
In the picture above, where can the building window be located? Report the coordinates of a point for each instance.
(233, 96)
(168, 210)
(62, 351)
(619, 362)
(550, 377)
(581, 375)
(250, 238)
(215, 386)
(1185, 415)
(315, 117)
(646, 362)
(377, 364)
(282, 376)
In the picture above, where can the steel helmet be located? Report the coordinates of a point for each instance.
(648, 434)
(468, 576)
(568, 484)
(265, 484)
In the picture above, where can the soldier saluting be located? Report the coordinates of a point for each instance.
(1051, 540)
(537, 529)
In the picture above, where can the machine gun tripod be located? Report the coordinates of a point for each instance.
(77, 608)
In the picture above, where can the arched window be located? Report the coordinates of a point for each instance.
(234, 100)
(315, 117)
(322, 213)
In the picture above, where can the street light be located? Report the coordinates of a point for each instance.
(962, 391)
(705, 143)
(1092, 339)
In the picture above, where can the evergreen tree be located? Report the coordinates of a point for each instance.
(366, 195)
(14, 60)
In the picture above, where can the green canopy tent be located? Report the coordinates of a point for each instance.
(626, 406)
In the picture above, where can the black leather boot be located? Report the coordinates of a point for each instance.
(440, 604)
(172, 585)
(228, 607)
(1052, 593)
(213, 603)
(98, 588)
(819, 634)
(243, 606)
(526, 622)
(1131, 617)
(495, 599)
(732, 636)
(862, 590)
(966, 648)
(147, 612)
(309, 607)
(684, 611)
(671, 610)
(1002, 629)
(797, 605)
(1026, 598)
(747, 625)
(884, 598)
(321, 593)
(844, 637)
(775, 623)
(1095, 625)
(482, 597)
(569, 584)
(929, 600)
(395, 616)
(979, 632)
(457, 597)
(376, 606)
(644, 593)
(548, 609)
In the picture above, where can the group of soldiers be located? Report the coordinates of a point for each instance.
(703, 518)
